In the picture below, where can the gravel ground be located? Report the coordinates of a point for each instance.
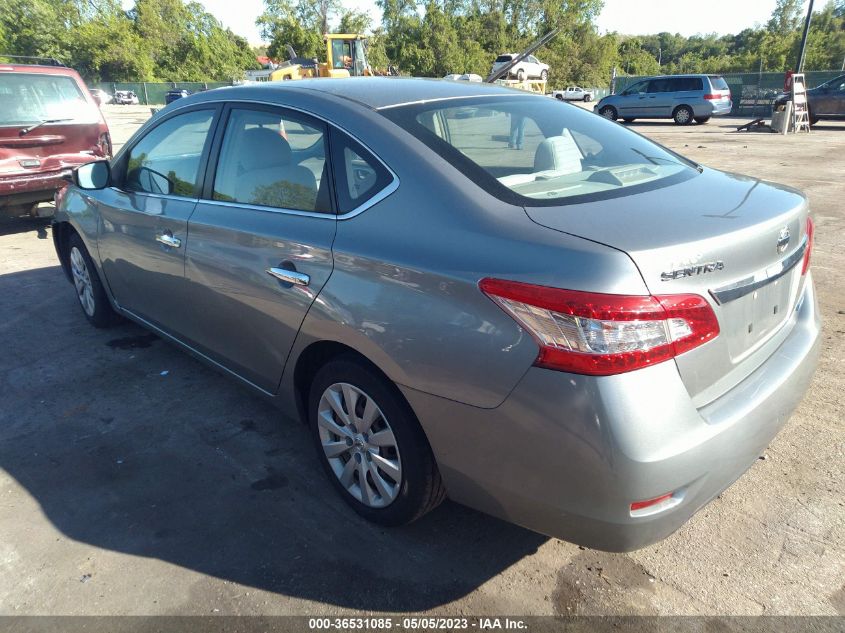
(134, 480)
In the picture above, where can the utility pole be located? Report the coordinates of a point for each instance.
(799, 67)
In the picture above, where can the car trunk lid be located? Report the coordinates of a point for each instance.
(731, 239)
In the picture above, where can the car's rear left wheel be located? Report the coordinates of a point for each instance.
(682, 115)
(89, 290)
(544, 74)
(371, 445)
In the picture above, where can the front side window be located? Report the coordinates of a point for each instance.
(273, 159)
(534, 151)
(27, 98)
(167, 160)
(662, 85)
(641, 87)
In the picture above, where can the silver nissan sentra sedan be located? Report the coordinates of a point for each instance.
(465, 291)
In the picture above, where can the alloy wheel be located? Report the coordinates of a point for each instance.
(82, 281)
(359, 445)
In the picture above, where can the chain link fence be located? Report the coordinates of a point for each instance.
(752, 93)
(153, 93)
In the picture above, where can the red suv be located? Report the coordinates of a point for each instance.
(49, 124)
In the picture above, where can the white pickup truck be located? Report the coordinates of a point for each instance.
(573, 93)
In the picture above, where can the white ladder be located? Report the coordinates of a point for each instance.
(800, 109)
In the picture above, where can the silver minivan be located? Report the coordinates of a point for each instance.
(684, 98)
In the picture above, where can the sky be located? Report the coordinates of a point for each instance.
(632, 17)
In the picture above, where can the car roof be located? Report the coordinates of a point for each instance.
(381, 92)
(36, 68)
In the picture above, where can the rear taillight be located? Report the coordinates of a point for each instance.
(604, 334)
(104, 145)
(712, 97)
(811, 229)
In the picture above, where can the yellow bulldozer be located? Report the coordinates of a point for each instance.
(346, 56)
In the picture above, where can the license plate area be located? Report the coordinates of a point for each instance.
(757, 316)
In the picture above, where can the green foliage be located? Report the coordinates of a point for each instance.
(177, 40)
(158, 40)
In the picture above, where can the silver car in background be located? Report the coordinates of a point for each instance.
(683, 98)
(590, 336)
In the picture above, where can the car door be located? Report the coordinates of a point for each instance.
(632, 101)
(261, 237)
(532, 69)
(143, 229)
(658, 98)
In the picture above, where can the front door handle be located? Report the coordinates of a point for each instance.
(289, 276)
(169, 240)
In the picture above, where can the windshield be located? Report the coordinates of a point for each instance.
(537, 151)
(27, 98)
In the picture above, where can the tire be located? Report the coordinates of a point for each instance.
(629, 120)
(559, 97)
(520, 74)
(89, 289)
(683, 115)
(609, 112)
(410, 484)
(544, 75)
(702, 120)
(587, 98)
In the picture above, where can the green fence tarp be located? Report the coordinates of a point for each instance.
(153, 93)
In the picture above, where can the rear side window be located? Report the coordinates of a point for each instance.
(503, 58)
(687, 84)
(359, 175)
(29, 98)
(273, 159)
(167, 159)
(718, 83)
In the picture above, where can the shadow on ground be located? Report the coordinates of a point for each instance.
(129, 444)
(24, 224)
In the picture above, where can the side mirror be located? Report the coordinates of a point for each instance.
(96, 175)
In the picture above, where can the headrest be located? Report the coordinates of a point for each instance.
(262, 147)
(558, 153)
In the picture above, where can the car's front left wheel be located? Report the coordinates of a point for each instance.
(371, 444)
(89, 289)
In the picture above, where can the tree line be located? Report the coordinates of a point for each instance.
(157, 40)
(171, 40)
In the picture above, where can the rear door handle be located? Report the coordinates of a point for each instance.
(169, 240)
(289, 276)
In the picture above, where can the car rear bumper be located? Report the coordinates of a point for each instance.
(722, 108)
(566, 455)
(29, 188)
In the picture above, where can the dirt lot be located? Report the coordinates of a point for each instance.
(134, 480)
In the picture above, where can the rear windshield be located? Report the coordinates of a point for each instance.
(504, 58)
(29, 98)
(719, 83)
(533, 150)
